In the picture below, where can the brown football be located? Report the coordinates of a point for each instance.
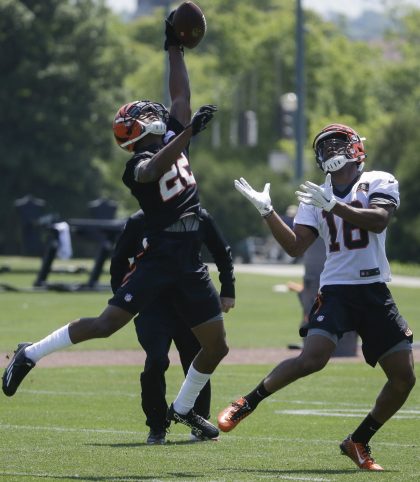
(189, 24)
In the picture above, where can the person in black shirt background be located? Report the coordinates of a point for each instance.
(160, 323)
(160, 177)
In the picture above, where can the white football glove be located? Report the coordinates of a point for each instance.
(261, 200)
(320, 197)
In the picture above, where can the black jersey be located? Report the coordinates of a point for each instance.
(129, 245)
(172, 196)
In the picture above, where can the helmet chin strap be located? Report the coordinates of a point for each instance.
(157, 127)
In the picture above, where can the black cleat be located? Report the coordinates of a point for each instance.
(194, 438)
(16, 370)
(156, 437)
(199, 426)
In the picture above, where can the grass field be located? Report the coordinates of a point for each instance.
(85, 423)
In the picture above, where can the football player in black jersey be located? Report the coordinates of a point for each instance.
(161, 323)
(160, 177)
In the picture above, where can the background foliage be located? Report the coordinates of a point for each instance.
(67, 65)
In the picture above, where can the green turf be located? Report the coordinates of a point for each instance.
(85, 424)
(261, 318)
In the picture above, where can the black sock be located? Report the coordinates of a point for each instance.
(366, 430)
(257, 395)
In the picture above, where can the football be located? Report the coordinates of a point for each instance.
(189, 24)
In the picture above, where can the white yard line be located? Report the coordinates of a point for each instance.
(224, 438)
(130, 479)
(343, 414)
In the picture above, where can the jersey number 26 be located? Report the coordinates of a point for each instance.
(177, 179)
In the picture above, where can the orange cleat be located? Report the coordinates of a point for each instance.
(229, 418)
(360, 454)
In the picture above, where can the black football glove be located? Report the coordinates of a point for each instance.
(170, 37)
(201, 118)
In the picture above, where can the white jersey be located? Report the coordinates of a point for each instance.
(354, 256)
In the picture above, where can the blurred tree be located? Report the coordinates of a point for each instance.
(62, 67)
(237, 217)
(67, 66)
(396, 144)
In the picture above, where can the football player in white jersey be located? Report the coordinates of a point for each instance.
(351, 212)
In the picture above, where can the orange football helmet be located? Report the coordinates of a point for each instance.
(336, 145)
(136, 119)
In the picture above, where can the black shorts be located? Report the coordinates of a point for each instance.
(171, 263)
(157, 326)
(368, 309)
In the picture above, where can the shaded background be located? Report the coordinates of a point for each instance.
(66, 66)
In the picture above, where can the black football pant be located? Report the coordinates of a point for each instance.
(156, 337)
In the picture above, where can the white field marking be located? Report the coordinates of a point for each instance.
(290, 477)
(317, 402)
(46, 475)
(69, 429)
(415, 409)
(360, 406)
(79, 394)
(182, 436)
(130, 479)
(402, 414)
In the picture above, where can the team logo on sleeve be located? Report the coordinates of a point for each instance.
(128, 297)
(363, 186)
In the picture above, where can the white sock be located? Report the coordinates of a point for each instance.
(57, 340)
(193, 383)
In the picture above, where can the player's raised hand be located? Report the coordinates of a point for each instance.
(170, 36)
(261, 200)
(201, 118)
(318, 196)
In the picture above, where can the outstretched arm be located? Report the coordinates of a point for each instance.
(222, 256)
(375, 218)
(152, 169)
(179, 89)
(295, 242)
(179, 84)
